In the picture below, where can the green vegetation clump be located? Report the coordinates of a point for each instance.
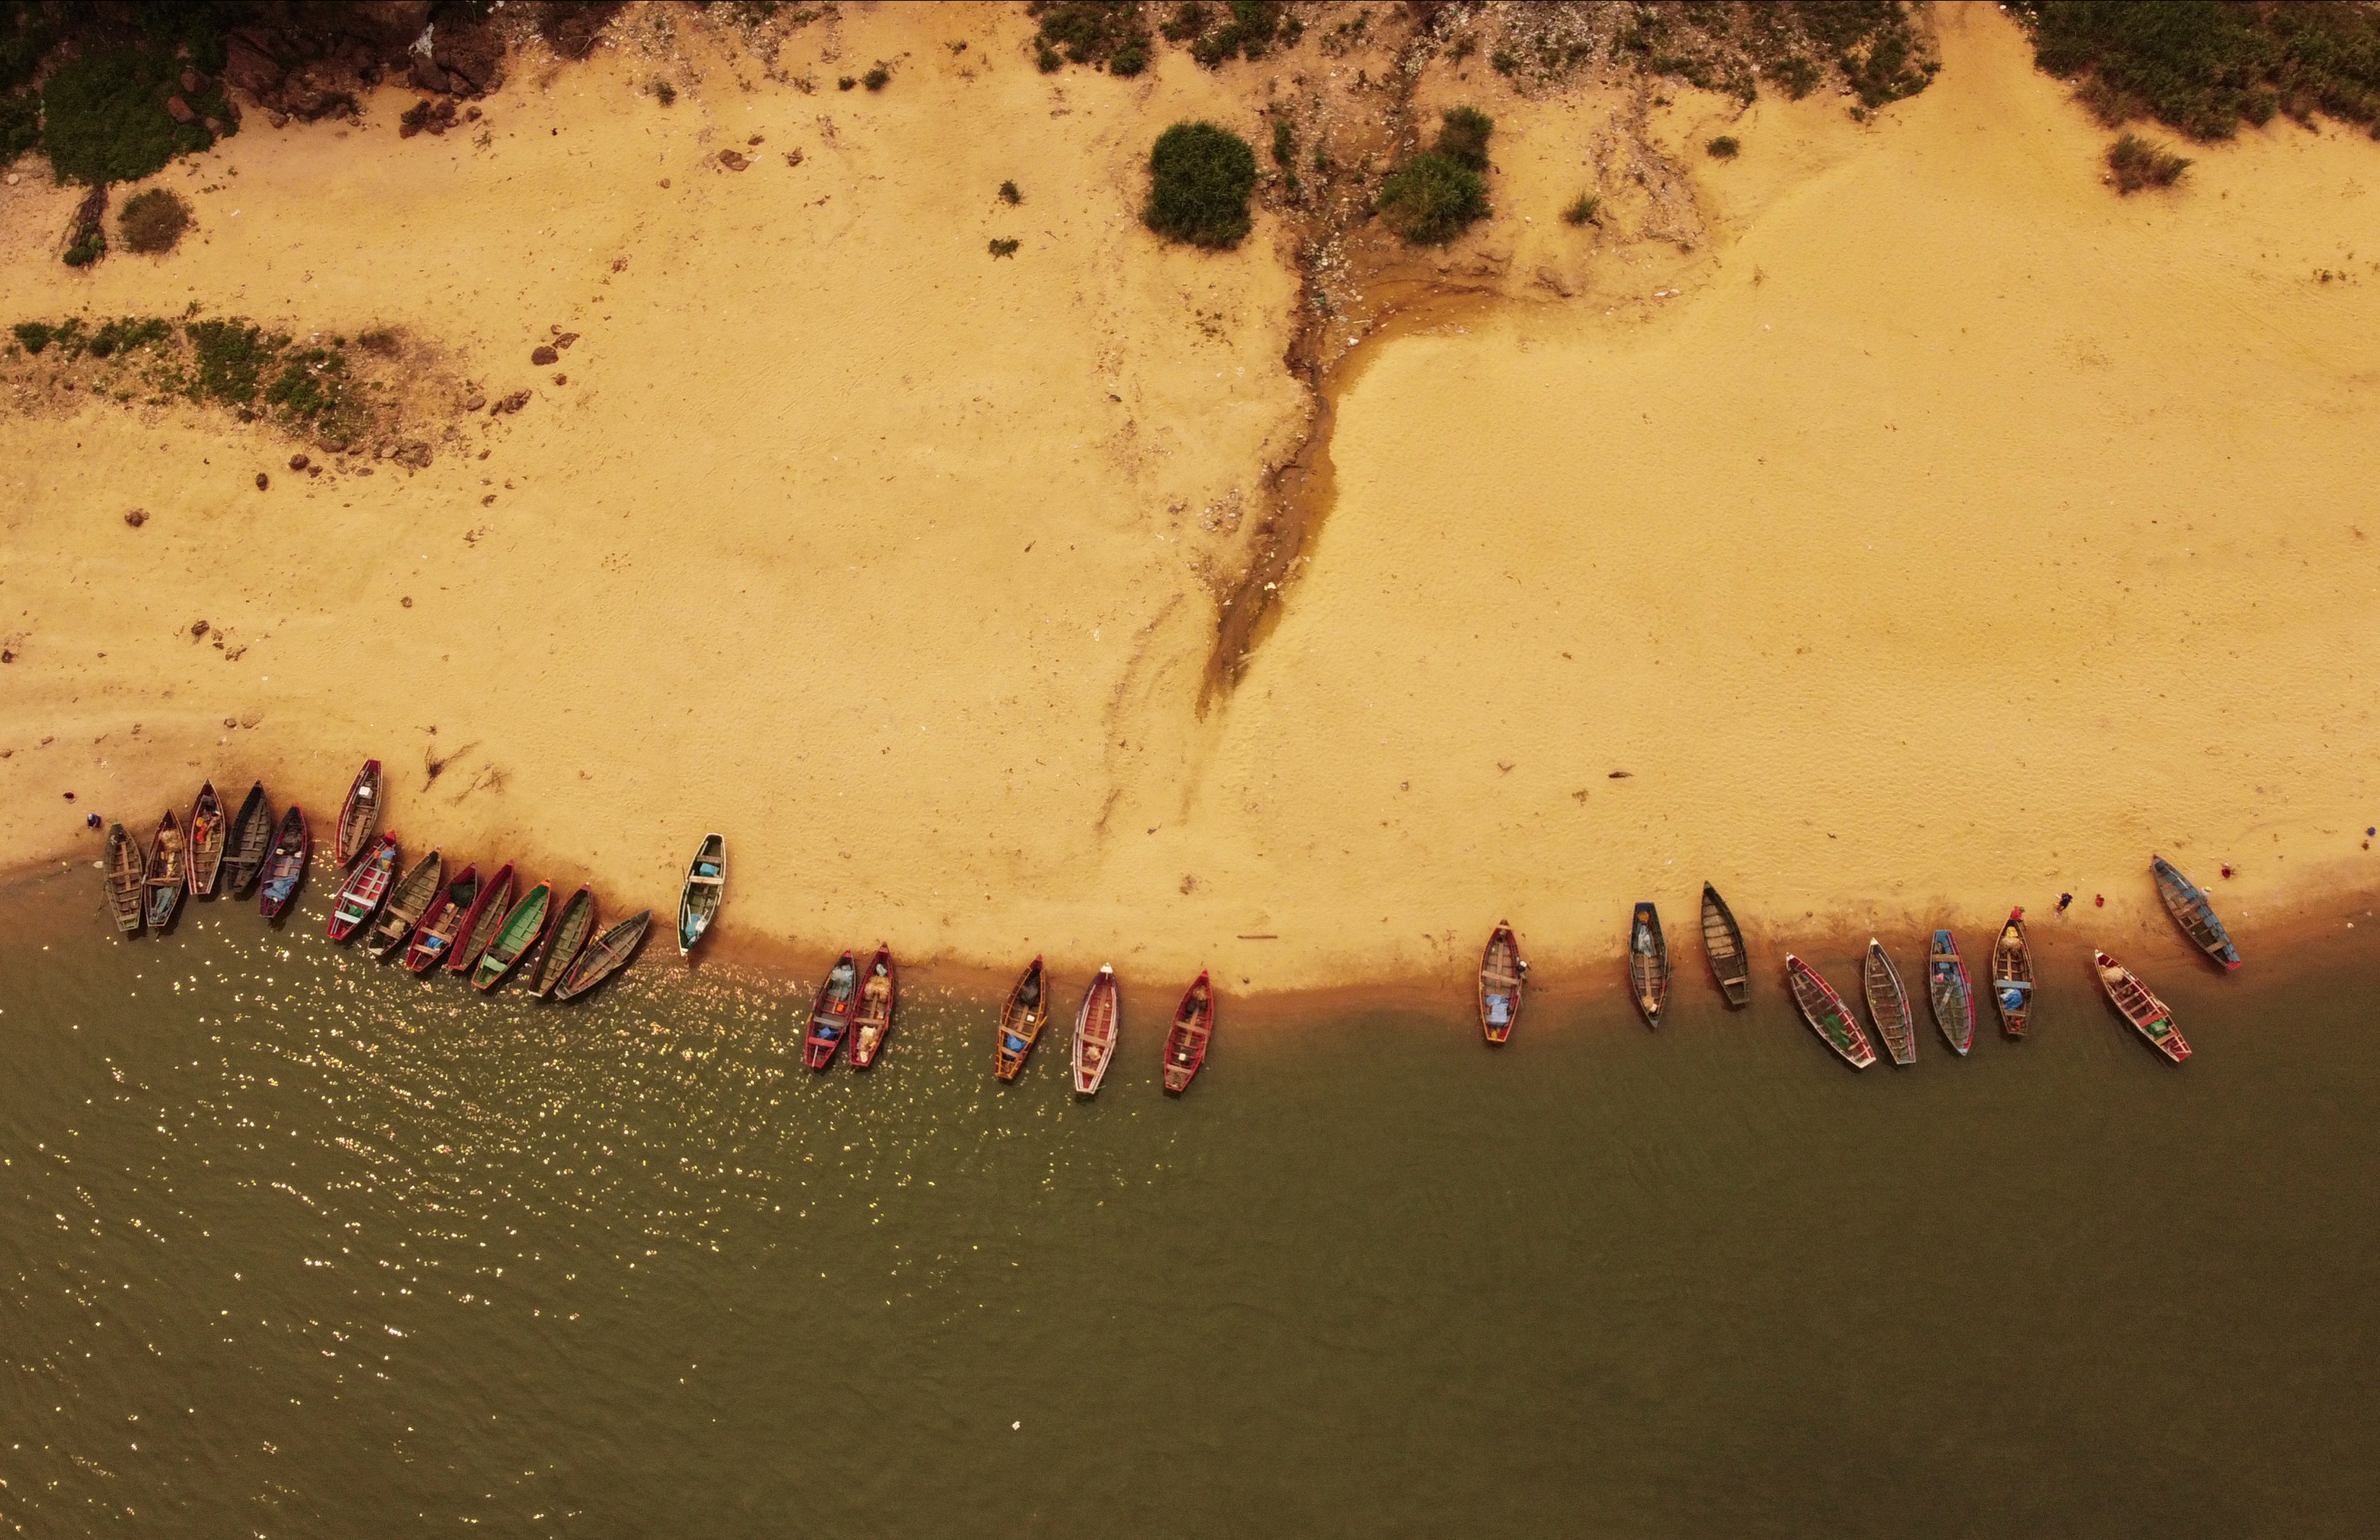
(154, 221)
(1006, 247)
(877, 79)
(2136, 163)
(34, 335)
(308, 385)
(2202, 69)
(1724, 147)
(663, 93)
(1795, 74)
(126, 333)
(848, 82)
(229, 363)
(1586, 208)
(1432, 199)
(1009, 195)
(1107, 34)
(1284, 143)
(1200, 177)
(230, 358)
(105, 121)
(1463, 137)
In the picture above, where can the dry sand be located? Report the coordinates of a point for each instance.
(1954, 534)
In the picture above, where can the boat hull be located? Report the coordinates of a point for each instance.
(1952, 997)
(1503, 982)
(1648, 964)
(1193, 1031)
(365, 891)
(1730, 966)
(284, 870)
(1827, 1013)
(1021, 1021)
(871, 1024)
(1098, 1026)
(830, 1013)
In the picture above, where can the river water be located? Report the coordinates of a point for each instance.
(292, 1244)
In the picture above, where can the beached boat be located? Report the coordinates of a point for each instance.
(604, 956)
(514, 937)
(1723, 944)
(480, 924)
(830, 1013)
(872, 1022)
(250, 843)
(1502, 976)
(1194, 1028)
(407, 901)
(705, 877)
(1953, 997)
(128, 872)
(2188, 905)
(1021, 1021)
(1827, 1013)
(366, 887)
(2013, 975)
(1648, 963)
(359, 815)
(285, 867)
(169, 871)
(438, 928)
(2144, 1011)
(1887, 1005)
(1097, 1026)
(209, 830)
(563, 941)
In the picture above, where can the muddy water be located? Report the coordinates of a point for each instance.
(294, 1246)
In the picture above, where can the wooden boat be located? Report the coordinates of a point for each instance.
(487, 913)
(1648, 963)
(514, 937)
(705, 879)
(1887, 1005)
(128, 871)
(366, 888)
(563, 941)
(209, 830)
(2144, 1011)
(250, 843)
(285, 867)
(830, 1013)
(408, 902)
(604, 956)
(872, 1022)
(169, 870)
(1502, 977)
(1954, 998)
(1021, 1021)
(2013, 975)
(2188, 905)
(359, 816)
(1194, 1028)
(436, 933)
(1723, 944)
(1827, 1013)
(1097, 1026)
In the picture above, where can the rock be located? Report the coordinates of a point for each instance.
(213, 125)
(543, 356)
(413, 453)
(298, 462)
(179, 110)
(193, 82)
(511, 403)
(757, 138)
(247, 67)
(386, 24)
(564, 340)
(262, 481)
(199, 628)
(793, 157)
(1554, 280)
(427, 76)
(733, 161)
(476, 402)
(12, 178)
(137, 517)
(561, 379)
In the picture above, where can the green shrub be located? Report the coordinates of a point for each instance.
(20, 125)
(105, 119)
(1131, 59)
(1006, 247)
(1107, 33)
(154, 220)
(1200, 177)
(1505, 61)
(1796, 73)
(1253, 27)
(310, 383)
(1586, 210)
(1009, 195)
(1284, 143)
(230, 358)
(125, 334)
(663, 93)
(1724, 147)
(33, 336)
(2200, 68)
(1047, 59)
(1432, 199)
(1463, 137)
(877, 79)
(2137, 163)
(847, 83)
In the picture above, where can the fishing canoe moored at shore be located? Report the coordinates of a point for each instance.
(366, 887)
(250, 843)
(1648, 963)
(513, 939)
(1827, 1013)
(411, 899)
(209, 830)
(439, 927)
(1502, 976)
(872, 1022)
(1192, 1029)
(2189, 907)
(284, 870)
(830, 1013)
(2144, 1011)
(1021, 1021)
(706, 881)
(358, 816)
(1097, 1026)
(128, 872)
(604, 956)
(2013, 975)
(487, 913)
(563, 941)
(1953, 997)
(168, 872)
(1723, 944)
(1887, 1005)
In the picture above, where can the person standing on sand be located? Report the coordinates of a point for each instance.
(2063, 900)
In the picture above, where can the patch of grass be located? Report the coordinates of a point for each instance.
(21, 124)
(126, 333)
(1009, 195)
(1250, 33)
(1109, 35)
(1284, 143)
(154, 220)
(848, 82)
(1006, 247)
(1463, 137)
(1872, 43)
(2202, 69)
(33, 336)
(877, 79)
(1432, 199)
(104, 117)
(1200, 177)
(1724, 147)
(1586, 208)
(1505, 61)
(230, 359)
(1048, 61)
(312, 383)
(663, 93)
(1795, 74)
(2137, 163)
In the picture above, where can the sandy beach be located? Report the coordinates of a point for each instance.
(1889, 525)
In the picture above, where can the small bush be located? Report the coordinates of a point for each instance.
(1107, 33)
(877, 79)
(1586, 210)
(1250, 33)
(154, 221)
(848, 82)
(1432, 199)
(1463, 137)
(1724, 147)
(1189, 19)
(2137, 163)
(663, 93)
(1009, 195)
(1129, 60)
(125, 334)
(2202, 68)
(104, 117)
(1200, 177)
(1006, 247)
(1506, 61)
(33, 336)
(1047, 59)
(230, 358)
(1796, 74)
(1284, 143)
(20, 125)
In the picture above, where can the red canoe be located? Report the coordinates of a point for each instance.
(1194, 1026)
(830, 1013)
